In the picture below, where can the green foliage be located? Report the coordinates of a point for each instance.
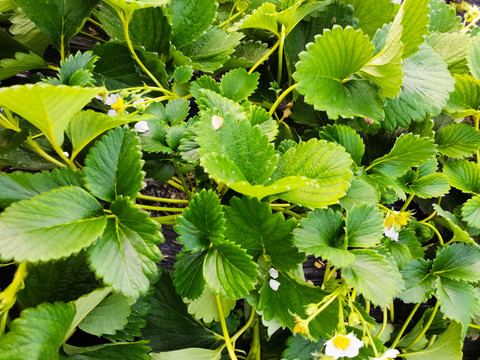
(348, 138)
(372, 14)
(443, 17)
(465, 100)
(364, 226)
(21, 62)
(471, 211)
(463, 175)
(458, 141)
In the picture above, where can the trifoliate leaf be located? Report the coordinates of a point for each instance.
(458, 300)
(364, 226)
(74, 63)
(452, 47)
(262, 18)
(22, 62)
(458, 141)
(21, 186)
(238, 85)
(449, 221)
(322, 234)
(458, 262)
(374, 277)
(229, 270)
(409, 150)
(372, 14)
(463, 175)
(34, 230)
(189, 282)
(443, 18)
(360, 192)
(473, 58)
(324, 169)
(50, 108)
(427, 84)
(433, 185)
(465, 100)
(251, 224)
(169, 326)
(324, 75)
(127, 253)
(113, 166)
(419, 283)
(38, 333)
(205, 308)
(471, 211)
(415, 25)
(348, 138)
(176, 111)
(182, 74)
(202, 223)
(292, 298)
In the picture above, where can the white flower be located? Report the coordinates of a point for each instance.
(391, 233)
(273, 273)
(138, 104)
(389, 354)
(112, 99)
(217, 122)
(274, 284)
(141, 126)
(117, 105)
(343, 345)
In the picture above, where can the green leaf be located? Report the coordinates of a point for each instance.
(38, 332)
(246, 54)
(419, 283)
(360, 192)
(427, 84)
(453, 48)
(458, 141)
(251, 224)
(448, 346)
(113, 166)
(471, 211)
(463, 175)
(205, 307)
(11, 140)
(182, 74)
(188, 353)
(135, 322)
(21, 186)
(190, 19)
(113, 351)
(458, 300)
(50, 108)
(415, 25)
(433, 185)
(449, 221)
(189, 282)
(465, 100)
(262, 18)
(75, 65)
(473, 58)
(443, 18)
(202, 222)
(125, 256)
(238, 85)
(324, 169)
(59, 20)
(299, 348)
(132, 5)
(348, 138)
(22, 62)
(364, 226)
(458, 262)
(229, 270)
(409, 150)
(34, 230)
(6, 5)
(322, 234)
(324, 75)
(374, 277)
(372, 14)
(169, 326)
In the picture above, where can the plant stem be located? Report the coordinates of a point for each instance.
(409, 200)
(159, 208)
(327, 300)
(228, 343)
(175, 185)
(166, 220)
(233, 17)
(92, 36)
(440, 238)
(154, 198)
(182, 180)
(425, 328)
(474, 326)
(281, 97)
(280, 55)
(42, 153)
(60, 153)
(244, 327)
(264, 57)
(392, 313)
(326, 275)
(255, 349)
(94, 22)
(62, 47)
(384, 323)
(8, 297)
(404, 327)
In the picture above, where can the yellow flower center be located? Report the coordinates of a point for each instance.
(341, 342)
(118, 106)
(396, 220)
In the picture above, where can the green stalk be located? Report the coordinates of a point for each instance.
(159, 208)
(404, 327)
(175, 185)
(281, 97)
(244, 327)
(166, 220)
(280, 55)
(42, 153)
(8, 297)
(182, 180)
(228, 343)
(154, 198)
(426, 327)
(409, 200)
(384, 323)
(440, 238)
(264, 57)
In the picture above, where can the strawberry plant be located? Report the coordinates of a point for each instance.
(287, 132)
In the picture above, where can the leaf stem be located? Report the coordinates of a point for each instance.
(392, 312)
(404, 327)
(228, 343)
(264, 57)
(244, 327)
(144, 87)
(280, 55)
(409, 200)
(42, 153)
(94, 22)
(92, 36)
(474, 326)
(384, 323)
(182, 180)
(232, 17)
(425, 328)
(175, 185)
(154, 198)
(440, 238)
(8, 297)
(281, 97)
(166, 220)
(159, 208)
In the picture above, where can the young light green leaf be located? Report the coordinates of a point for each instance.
(22, 62)
(415, 25)
(453, 48)
(458, 262)
(6, 5)
(465, 100)
(34, 230)
(324, 75)
(205, 307)
(50, 108)
(364, 226)
(419, 283)
(189, 282)
(458, 141)
(374, 277)
(127, 253)
(113, 166)
(38, 332)
(262, 18)
(322, 234)
(58, 20)
(471, 211)
(182, 74)
(427, 84)
(229, 270)
(202, 223)
(433, 185)
(473, 58)
(449, 221)
(347, 137)
(443, 18)
(409, 150)
(251, 224)
(21, 186)
(463, 175)
(238, 85)
(360, 192)
(372, 14)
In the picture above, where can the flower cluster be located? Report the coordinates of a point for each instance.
(394, 222)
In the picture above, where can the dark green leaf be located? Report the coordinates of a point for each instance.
(238, 85)
(299, 348)
(463, 175)
(458, 300)
(11, 140)
(430, 186)
(458, 141)
(364, 226)
(458, 262)
(419, 283)
(189, 282)
(116, 351)
(348, 138)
